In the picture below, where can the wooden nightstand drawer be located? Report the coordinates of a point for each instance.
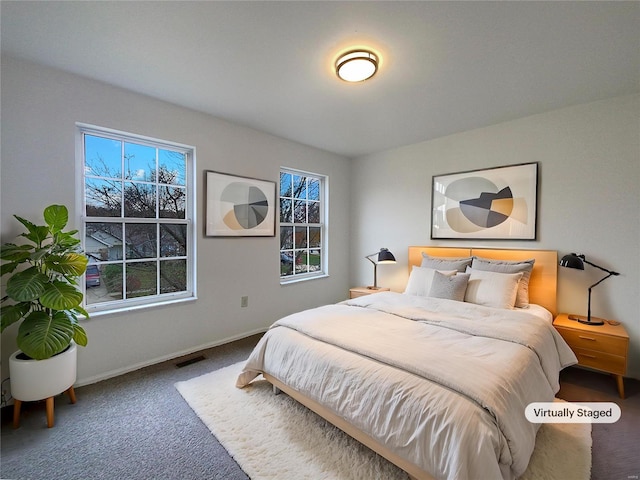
(594, 341)
(356, 294)
(601, 361)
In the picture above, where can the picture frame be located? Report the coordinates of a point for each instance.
(492, 204)
(238, 206)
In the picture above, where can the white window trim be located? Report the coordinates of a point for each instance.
(191, 209)
(324, 214)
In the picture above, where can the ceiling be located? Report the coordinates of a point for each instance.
(445, 67)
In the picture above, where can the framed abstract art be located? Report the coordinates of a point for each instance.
(495, 203)
(239, 206)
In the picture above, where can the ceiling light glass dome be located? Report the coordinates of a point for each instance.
(357, 65)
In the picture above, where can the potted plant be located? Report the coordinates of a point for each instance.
(42, 292)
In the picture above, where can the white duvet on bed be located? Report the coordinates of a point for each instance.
(443, 384)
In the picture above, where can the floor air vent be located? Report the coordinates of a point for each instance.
(184, 363)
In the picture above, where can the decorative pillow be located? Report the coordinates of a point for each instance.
(451, 287)
(420, 280)
(506, 266)
(492, 289)
(446, 263)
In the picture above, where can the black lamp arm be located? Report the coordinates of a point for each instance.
(368, 257)
(598, 282)
(375, 271)
(602, 279)
(610, 272)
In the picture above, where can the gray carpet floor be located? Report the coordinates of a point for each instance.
(138, 427)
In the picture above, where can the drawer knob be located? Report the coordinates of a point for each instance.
(587, 338)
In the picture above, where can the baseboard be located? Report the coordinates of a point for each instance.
(132, 368)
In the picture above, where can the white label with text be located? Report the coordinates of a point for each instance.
(572, 412)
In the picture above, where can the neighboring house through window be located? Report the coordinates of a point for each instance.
(303, 248)
(138, 204)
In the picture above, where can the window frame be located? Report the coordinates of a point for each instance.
(190, 220)
(323, 224)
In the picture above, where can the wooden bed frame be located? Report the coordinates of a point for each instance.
(542, 290)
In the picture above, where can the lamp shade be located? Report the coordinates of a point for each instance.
(385, 256)
(572, 261)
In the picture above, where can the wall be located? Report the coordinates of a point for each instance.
(589, 200)
(40, 107)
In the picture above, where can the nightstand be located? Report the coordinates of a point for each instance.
(603, 347)
(362, 291)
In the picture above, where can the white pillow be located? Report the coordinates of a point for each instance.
(507, 266)
(492, 289)
(420, 280)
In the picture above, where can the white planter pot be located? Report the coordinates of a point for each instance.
(39, 379)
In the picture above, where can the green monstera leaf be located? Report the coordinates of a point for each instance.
(15, 253)
(27, 285)
(79, 335)
(10, 314)
(37, 233)
(41, 335)
(56, 217)
(60, 296)
(69, 264)
(65, 241)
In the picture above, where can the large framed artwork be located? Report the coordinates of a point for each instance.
(239, 206)
(496, 203)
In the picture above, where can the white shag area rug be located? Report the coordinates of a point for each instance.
(274, 437)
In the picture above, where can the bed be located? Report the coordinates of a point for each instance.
(434, 382)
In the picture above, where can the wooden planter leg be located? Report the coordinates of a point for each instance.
(49, 412)
(72, 394)
(16, 412)
(17, 404)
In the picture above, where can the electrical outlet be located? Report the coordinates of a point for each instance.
(244, 301)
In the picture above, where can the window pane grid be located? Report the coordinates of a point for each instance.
(301, 225)
(136, 223)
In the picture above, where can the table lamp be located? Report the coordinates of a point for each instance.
(578, 261)
(384, 256)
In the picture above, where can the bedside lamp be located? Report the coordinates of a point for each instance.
(578, 261)
(384, 256)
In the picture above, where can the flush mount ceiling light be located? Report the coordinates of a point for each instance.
(357, 65)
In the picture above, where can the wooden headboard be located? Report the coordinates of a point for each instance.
(544, 277)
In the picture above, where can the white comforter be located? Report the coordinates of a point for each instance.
(443, 384)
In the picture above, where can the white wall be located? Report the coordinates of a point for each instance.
(589, 200)
(40, 107)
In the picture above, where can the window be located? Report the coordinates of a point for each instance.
(303, 250)
(138, 227)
